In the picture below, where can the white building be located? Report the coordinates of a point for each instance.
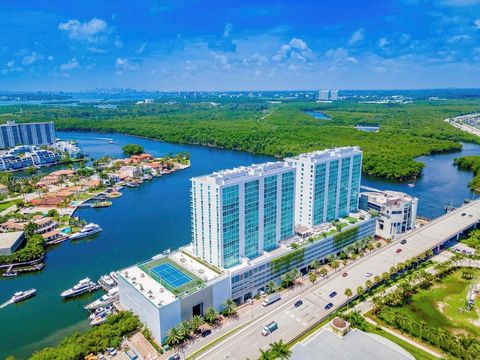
(13, 134)
(323, 94)
(242, 212)
(327, 185)
(397, 211)
(334, 95)
(68, 147)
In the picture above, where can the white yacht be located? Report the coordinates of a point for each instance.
(100, 311)
(23, 295)
(100, 319)
(83, 286)
(107, 281)
(105, 300)
(87, 230)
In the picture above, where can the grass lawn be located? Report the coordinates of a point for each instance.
(6, 205)
(440, 306)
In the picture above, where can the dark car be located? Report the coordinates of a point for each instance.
(328, 306)
(298, 303)
(174, 357)
(463, 214)
(403, 242)
(206, 333)
(398, 251)
(333, 294)
(344, 274)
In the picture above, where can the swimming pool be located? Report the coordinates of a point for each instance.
(171, 275)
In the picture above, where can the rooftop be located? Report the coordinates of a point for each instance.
(243, 172)
(9, 239)
(387, 196)
(327, 154)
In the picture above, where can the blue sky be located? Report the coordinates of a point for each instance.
(239, 45)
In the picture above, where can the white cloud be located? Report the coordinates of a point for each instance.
(358, 35)
(141, 48)
(255, 59)
(341, 55)
(70, 65)
(50, 58)
(10, 64)
(222, 60)
(118, 42)
(477, 24)
(296, 49)
(122, 64)
(94, 30)
(383, 42)
(228, 29)
(97, 50)
(458, 38)
(30, 59)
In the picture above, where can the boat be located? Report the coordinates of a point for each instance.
(83, 286)
(131, 184)
(104, 300)
(22, 295)
(100, 311)
(87, 230)
(101, 318)
(166, 252)
(10, 274)
(107, 281)
(411, 185)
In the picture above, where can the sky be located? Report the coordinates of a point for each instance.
(220, 45)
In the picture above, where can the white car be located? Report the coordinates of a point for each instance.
(112, 351)
(368, 274)
(262, 294)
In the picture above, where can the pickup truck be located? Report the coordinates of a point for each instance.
(269, 328)
(270, 299)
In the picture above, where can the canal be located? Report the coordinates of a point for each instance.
(152, 218)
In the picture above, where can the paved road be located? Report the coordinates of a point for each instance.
(292, 321)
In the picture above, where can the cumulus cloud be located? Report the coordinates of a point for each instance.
(255, 59)
(70, 65)
(31, 58)
(225, 42)
(383, 42)
(122, 64)
(11, 63)
(340, 55)
(357, 36)
(477, 23)
(221, 61)
(94, 30)
(296, 49)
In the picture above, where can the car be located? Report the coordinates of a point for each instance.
(333, 294)
(368, 274)
(174, 357)
(463, 214)
(328, 306)
(398, 251)
(403, 242)
(344, 274)
(206, 333)
(263, 294)
(111, 351)
(250, 301)
(298, 303)
(100, 356)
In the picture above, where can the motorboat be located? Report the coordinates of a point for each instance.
(83, 286)
(411, 185)
(104, 300)
(107, 281)
(100, 311)
(100, 319)
(87, 230)
(22, 295)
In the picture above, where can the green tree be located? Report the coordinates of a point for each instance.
(348, 293)
(323, 272)
(229, 307)
(30, 229)
(334, 265)
(211, 315)
(360, 291)
(133, 149)
(196, 323)
(280, 350)
(174, 337)
(185, 328)
(312, 276)
(271, 286)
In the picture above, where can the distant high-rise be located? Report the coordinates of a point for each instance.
(327, 184)
(242, 212)
(334, 95)
(323, 94)
(12, 134)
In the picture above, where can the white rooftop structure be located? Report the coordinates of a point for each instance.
(327, 155)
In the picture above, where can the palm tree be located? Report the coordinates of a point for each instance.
(368, 285)
(315, 264)
(334, 265)
(230, 308)
(312, 276)
(323, 272)
(266, 355)
(211, 315)
(174, 337)
(280, 350)
(271, 286)
(348, 292)
(360, 291)
(377, 279)
(196, 322)
(185, 328)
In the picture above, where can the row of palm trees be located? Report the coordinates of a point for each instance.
(183, 331)
(277, 350)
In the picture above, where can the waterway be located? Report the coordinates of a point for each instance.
(318, 115)
(149, 219)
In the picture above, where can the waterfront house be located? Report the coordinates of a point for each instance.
(48, 201)
(51, 235)
(12, 225)
(44, 224)
(141, 158)
(131, 171)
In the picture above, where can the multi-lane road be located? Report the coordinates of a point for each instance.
(247, 342)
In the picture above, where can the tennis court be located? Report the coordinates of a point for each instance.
(171, 275)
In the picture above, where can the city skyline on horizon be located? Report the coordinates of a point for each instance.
(245, 46)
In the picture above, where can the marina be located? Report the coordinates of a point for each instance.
(159, 211)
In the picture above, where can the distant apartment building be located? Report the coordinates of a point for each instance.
(334, 95)
(241, 213)
(327, 184)
(397, 211)
(323, 95)
(13, 134)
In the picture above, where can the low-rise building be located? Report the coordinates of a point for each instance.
(130, 171)
(10, 241)
(397, 211)
(3, 189)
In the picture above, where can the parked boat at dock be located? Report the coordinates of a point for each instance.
(104, 300)
(83, 286)
(100, 319)
(87, 230)
(107, 282)
(22, 295)
(100, 311)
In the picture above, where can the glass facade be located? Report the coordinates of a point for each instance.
(288, 195)
(270, 213)
(231, 225)
(332, 190)
(344, 182)
(251, 219)
(319, 193)
(356, 176)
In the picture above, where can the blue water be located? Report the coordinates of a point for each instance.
(318, 115)
(149, 219)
